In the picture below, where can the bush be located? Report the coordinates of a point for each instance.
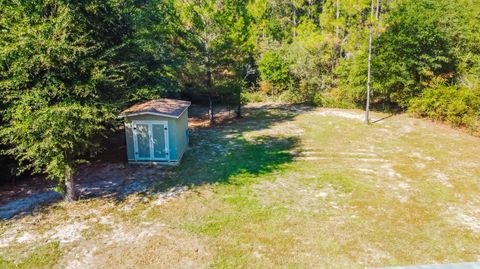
(297, 71)
(254, 96)
(457, 106)
(273, 68)
(333, 99)
(285, 97)
(266, 87)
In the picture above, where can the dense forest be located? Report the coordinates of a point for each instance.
(68, 67)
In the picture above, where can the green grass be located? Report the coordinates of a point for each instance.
(45, 256)
(284, 188)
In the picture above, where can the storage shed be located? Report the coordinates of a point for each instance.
(156, 131)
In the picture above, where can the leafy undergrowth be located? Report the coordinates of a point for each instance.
(281, 188)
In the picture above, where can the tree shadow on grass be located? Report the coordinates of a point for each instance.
(216, 155)
(256, 157)
(384, 118)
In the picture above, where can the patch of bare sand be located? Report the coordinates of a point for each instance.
(142, 245)
(147, 245)
(443, 179)
(289, 129)
(388, 178)
(347, 114)
(367, 163)
(68, 233)
(467, 215)
(297, 196)
(372, 254)
(64, 233)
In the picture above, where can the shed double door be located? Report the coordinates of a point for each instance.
(150, 140)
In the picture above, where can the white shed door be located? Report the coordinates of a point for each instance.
(150, 139)
(159, 135)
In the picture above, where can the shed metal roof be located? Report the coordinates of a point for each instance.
(162, 107)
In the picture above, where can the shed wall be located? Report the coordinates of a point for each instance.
(182, 138)
(177, 133)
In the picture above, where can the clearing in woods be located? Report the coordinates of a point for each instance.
(284, 187)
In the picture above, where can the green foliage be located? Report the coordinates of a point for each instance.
(65, 69)
(413, 53)
(274, 68)
(310, 65)
(353, 78)
(254, 96)
(458, 106)
(301, 65)
(332, 99)
(52, 139)
(418, 47)
(158, 48)
(218, 46)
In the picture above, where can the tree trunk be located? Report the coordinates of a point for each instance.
(71, 194)
(13, 174)
(209, 84)
(335, 42)
(337, 17)
(369, 75)
(377, 12)
(333, 61)
(211, 118)
(238, 112)
(310, 9)
(294, 21)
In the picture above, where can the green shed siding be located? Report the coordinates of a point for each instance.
(181, 135)
(177, 134)
(129, 140)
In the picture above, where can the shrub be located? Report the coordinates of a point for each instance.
(333, 99)
(254, 97)
(266, 87)
(457, 106)
(273, 69)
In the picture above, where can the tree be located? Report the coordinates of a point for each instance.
(64, 67)
(249, 70)
(413, 52)
(156, 50)
(218, 47)
(52, 139)
(369, 73)
(309, 61)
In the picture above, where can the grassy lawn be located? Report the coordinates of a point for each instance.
(285, 187)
